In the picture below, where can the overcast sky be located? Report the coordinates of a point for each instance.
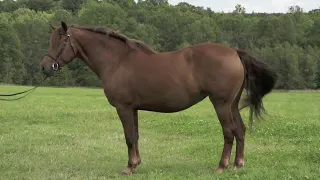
(253, 5)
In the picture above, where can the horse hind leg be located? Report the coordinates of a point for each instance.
(239, 133)
(224, 113)
(232, 127)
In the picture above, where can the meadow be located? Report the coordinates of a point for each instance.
(73, 133)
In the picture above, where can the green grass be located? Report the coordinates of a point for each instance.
(73, 133)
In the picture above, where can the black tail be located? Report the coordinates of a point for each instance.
(260, 79)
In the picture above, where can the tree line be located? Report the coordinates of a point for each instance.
(289, 42)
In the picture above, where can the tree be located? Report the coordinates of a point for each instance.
(104, 14)
(37, 5)
(155, 2)
(239, 9)
(72, 5)
(8, 5)
(288, 42)
(313, 33)
(11, 67)
(295, 9)
(32, 29)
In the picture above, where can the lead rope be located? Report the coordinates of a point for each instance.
(55, 67)
(29, 91)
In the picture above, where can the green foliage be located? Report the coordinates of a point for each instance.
(37, 5)
(103, 14)
(289, 42)
(32, 29)
(11, 66)
(61, 15)
(8, 5)
(72, 5)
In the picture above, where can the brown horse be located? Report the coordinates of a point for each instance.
(137, 78)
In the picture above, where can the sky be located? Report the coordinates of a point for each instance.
(267, 6)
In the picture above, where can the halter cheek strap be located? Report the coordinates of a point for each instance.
(55, 66)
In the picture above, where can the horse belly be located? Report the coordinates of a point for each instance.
(172, 103)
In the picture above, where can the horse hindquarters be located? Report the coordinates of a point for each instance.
(223, 79)
(232, 127)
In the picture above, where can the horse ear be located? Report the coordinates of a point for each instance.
(64, 26)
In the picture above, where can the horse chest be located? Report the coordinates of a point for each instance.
(117, 96)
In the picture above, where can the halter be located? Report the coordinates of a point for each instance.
(55, 66)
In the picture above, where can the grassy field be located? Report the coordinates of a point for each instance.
(73, 133)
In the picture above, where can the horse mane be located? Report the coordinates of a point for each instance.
(132, 43)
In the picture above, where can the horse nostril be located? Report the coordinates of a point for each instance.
(42, 69)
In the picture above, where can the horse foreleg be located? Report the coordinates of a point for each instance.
(127, 117)
(136, 125)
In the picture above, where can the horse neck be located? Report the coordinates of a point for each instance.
(101, 53)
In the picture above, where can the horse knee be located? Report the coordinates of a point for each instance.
(228, 135)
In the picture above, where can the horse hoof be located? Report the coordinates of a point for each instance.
(220, 170)
(236, 168)
(126, 172)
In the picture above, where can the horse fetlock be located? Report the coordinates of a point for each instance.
(138, 161)
(133, 163)
(239, 163)
(224, 163)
